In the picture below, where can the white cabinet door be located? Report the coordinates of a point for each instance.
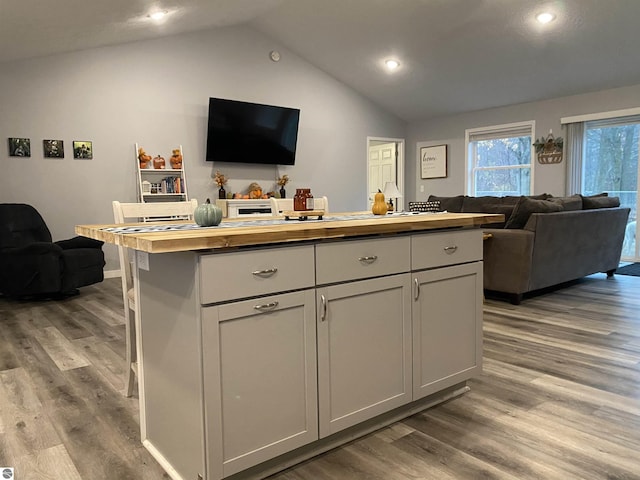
(447, 327)
(364, 350)
(260, 381)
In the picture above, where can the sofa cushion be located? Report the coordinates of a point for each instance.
(510, 200)
(450, 204)
(599, 201)
(477, 204)
(574, 202)
(506, 210)
(526, 206)
(541, 196)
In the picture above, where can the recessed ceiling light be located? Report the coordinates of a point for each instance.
(158, 15)
(545, 17)
(392, 64)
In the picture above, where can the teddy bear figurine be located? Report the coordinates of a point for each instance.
(143, 158)
(176, 159)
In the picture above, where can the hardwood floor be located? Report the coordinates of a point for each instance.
(62, 415)
(559, 397)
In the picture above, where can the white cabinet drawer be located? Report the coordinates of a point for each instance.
(351, 260)
(251, 273)
(445, 248)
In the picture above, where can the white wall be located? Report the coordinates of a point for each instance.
(451, 131)
(156, 93)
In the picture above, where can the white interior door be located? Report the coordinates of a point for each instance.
(382, 167)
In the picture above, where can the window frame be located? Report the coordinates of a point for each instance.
(496, 131)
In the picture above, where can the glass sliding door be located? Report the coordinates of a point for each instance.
(610, 164)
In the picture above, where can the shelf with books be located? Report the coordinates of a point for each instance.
(155, 181)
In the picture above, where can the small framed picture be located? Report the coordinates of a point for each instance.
(82, 150)
(19, 147)
(433, 162)
(53, 148)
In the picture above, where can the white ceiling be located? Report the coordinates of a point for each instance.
(456, 55)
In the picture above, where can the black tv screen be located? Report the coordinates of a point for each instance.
(244, 132)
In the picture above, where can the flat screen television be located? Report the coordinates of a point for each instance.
(244, 132)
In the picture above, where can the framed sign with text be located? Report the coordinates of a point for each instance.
(433, 162)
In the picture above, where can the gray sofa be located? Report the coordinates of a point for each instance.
(576, 237)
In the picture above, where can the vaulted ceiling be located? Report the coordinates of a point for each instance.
(455, 55)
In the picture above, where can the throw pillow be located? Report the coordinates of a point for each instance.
(433, 206)
(450, 204)
(590, 203)
(525, 207)
(574, 202)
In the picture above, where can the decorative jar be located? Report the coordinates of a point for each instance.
(299, 200)
(308, 199)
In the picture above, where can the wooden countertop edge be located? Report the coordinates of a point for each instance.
(294, 231)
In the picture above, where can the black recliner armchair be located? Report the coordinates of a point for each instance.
(31, 264)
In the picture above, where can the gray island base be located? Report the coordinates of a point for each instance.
(254, 358)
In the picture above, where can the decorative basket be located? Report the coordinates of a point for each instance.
(549, 150)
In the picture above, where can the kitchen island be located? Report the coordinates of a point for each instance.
(263, 343)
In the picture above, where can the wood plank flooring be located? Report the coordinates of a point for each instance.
(559, 397)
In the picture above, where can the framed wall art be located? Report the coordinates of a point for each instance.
(53, 148)
(83, 150)
(433, 162)
(19, 147)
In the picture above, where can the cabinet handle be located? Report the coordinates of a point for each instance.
(368, 259)
(451, 250)
(415, 281)
(323, 316)
(266, 306)
(265, 273)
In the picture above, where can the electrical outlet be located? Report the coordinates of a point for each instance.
(421, 188)
(143, 260)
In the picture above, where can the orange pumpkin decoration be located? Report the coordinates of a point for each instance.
(379, 205)
(158, 162)
(255, 190)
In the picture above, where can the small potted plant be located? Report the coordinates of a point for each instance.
(221, 181)
(282, 181)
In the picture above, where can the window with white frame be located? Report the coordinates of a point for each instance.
(500, 160)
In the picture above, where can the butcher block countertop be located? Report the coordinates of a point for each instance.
(267, 230)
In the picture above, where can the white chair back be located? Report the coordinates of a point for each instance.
(134, 213)
(156, 211)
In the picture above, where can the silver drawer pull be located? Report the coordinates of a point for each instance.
(266, 306)
(368, 259)
(265, 273)
(451, 250)
(417, 293)
(323, 316)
